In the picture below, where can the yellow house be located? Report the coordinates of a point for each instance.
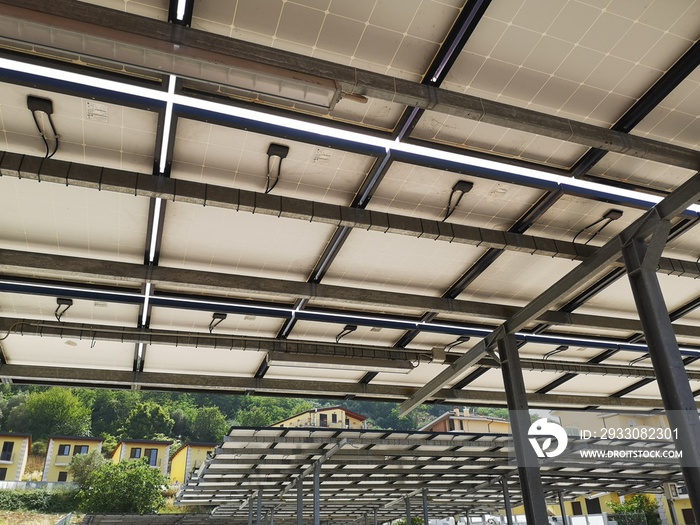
(457, 421)
(188, 458)
(155, 452)
(330, 417)
(13, 455)
(61, 450)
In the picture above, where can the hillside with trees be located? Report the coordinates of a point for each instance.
(178, 417)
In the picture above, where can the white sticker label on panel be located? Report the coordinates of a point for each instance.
(97, 111)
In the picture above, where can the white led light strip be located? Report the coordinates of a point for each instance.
(171, 98)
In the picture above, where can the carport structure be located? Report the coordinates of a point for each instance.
(295, 475)
(416, 201)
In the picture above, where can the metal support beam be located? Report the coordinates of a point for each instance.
(197, 193)
(197, 50)
(506, 501)
(120, 181)
(409, 521)
(640, 254)
(466, 516)
(250, 511)
(111, 378)
(562, 507)
(317, 493)
(258, 514)
(426, 513)
(300, 503)
(675, 203)
(518, 409)
(13, 261)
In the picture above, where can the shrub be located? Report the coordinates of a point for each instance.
(126, 487)
(54, 502)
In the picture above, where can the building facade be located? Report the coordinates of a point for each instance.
(464, 421)
(61, 450)
(155, 452)
(187, 459)
(13, 455)
(330, 417)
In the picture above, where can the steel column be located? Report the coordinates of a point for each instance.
(375, 516)
(258, 520)
(562, 507)
(300, 502)
(425, 506)
(466, 516)
(674, 386)
(516, 397)
(409, 521)
(250, 511)
(506, 501)
(317, 493)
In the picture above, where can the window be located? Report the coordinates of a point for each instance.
(6, 454)
(323, 420)
(80, 449)
(3, 474)
(334, 418)
(593, 506)
(135, 453)
(64, 450)
(152, 455)
(576, 508)
(62, 476)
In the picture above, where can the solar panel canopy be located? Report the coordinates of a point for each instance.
(326, 198)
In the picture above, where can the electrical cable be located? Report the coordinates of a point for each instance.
(637, 360)
(587, 227)
(268, 187)
(557, 350)
(48, 153)
(610, 216)
(452, 207)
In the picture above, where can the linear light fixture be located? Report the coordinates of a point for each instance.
(168, 301)
(154, 229)
(331, 362)
(146, 300)
(602, 190)
(232, 75)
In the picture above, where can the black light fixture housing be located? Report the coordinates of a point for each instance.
(275, 154)
(348, 329)
(40, 105)
(458, 190)
(216, 320)
(63, 304)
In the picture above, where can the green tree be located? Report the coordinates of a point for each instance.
(110, 409)
(126, 487)
(415, 520)
(146, 420)
(183, 423)
(82, 465)
(209, 425)
(258, 416)
(638, 503)
(55, 411)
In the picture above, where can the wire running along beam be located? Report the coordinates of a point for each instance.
(668, 208)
